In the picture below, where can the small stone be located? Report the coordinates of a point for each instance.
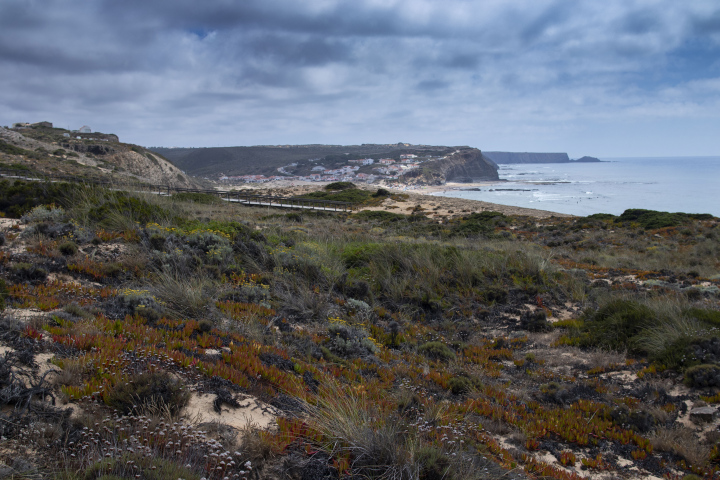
(702, 414)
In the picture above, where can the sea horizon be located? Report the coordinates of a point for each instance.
(673, 184)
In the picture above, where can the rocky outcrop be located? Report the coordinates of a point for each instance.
(93, 149)
(587, 159)
(527, 157)
(467, 165)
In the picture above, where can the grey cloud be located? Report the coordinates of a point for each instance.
(432, 85)
(290, 50)
(640, 22)
(336, 66)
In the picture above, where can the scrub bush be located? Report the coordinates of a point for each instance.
(436, 351)
(68, 248)
(148, 389)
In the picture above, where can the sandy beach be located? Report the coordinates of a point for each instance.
(427, 199)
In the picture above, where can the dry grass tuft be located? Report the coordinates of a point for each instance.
(681, 441)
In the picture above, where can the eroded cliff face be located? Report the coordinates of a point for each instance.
(467, 165)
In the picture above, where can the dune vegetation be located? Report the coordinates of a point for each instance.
(375, 344)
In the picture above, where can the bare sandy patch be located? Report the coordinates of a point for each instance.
(252, 412)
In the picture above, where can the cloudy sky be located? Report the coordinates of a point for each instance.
(603, 78)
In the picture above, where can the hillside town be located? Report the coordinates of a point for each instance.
(367, 170)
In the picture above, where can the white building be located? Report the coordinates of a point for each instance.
(85, 129)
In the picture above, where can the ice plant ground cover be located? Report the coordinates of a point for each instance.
(380, 345)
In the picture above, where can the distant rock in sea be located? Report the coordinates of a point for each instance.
(587, 159)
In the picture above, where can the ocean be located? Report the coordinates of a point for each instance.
(672, 184)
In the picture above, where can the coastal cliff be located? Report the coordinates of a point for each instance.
(466, 165)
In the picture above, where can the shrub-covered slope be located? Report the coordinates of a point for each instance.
(100, 157)
(371, 345)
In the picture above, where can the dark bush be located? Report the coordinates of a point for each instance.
(339, 186)
(2, 240)
(651, 219)
(459, 385)
(18, 197)
(68, 248)
(157, 242)
(495, 294)
(701, 376)
(535, 321)
(639, 420)
(436, 351)
(156, 388)
(28, 272)
(350, 195)
(381, 192)
(601, 216)
(434, 464)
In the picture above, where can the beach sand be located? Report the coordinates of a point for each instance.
(424, 199)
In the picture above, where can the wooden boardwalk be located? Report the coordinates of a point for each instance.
(233, 196)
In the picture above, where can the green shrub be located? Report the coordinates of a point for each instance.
(651, 219)
(339, 186)
(131, 208)
(379, 215)
(482, 223)
(349, 342)
(12, 149)
(702, 376)
(433, 463)
(68, 248)
(705, 315)
(18, 197)
(359, 255)
(601, 216)
(201, 198)
(351, 195)
(148, 390)
(614, 325)
(459, 385)
(44, 213)
(381, 192)
(152, 158)
(436, 351)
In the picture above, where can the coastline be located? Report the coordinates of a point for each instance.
(427, 199)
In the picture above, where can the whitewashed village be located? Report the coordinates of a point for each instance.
(361, 170)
